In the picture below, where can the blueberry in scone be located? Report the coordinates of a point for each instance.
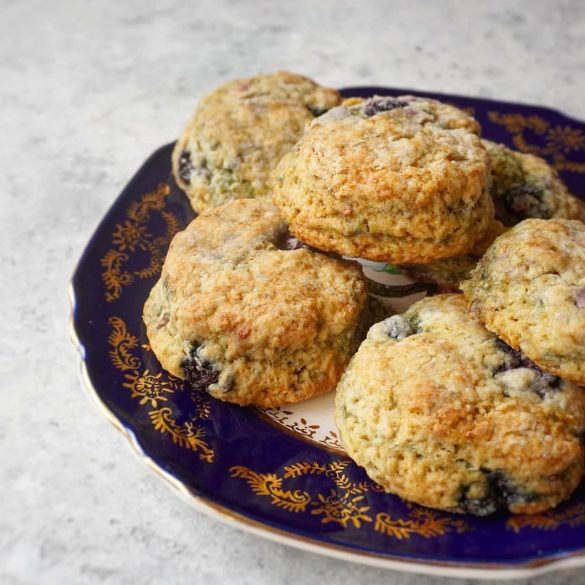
(529, 289)
(441, 412)
(402, 180)
(240, 131)
(526, 186)
(244, 313)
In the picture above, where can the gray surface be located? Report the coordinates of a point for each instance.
(87, 92)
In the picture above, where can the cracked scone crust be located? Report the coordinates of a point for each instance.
(441, 412)
(529, 288)
(241, 315)
(523, 186)
(526, 186)
(240, 131)
(403, 180)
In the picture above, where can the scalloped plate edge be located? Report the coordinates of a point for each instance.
(235, 520)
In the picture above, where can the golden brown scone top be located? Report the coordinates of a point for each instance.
(395, 179)
(275, 325)
(442, 413)
(239, 132)
(529, 288)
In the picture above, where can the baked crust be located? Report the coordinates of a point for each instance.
(407, 184)
(440, 412)
(529, 288)
(239, 132)
(248, 320)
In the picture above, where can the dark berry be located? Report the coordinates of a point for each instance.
(378, 104)
(542, 383)
(501, 493)
(185, 166)
(513, 357)
(199, 372)
(508, 491)
(521, 202)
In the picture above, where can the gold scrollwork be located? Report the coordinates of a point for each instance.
(559, 141)
(345, 503)
(572, 516)
(122, 344)
(132, 236)
(187, 435)
(269, 484)
(422, 522)
(151, 389)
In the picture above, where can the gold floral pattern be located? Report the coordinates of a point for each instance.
(153, 389)
(345, 503)
(122, 344)
(269, 484)
(572, 516)
(423, 522)
(149, 388)
(557, 142)
(565, 139)
(188, 435)
(134, 236)
(341, 510)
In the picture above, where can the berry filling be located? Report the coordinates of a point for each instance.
(199, 372)
(501, 492)
(378, 104)
(185, 166)
(539, 382)
(524, 201)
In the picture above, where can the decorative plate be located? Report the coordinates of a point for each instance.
(281, 473)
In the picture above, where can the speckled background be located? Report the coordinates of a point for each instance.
(87, 92)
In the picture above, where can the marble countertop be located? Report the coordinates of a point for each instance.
(88, 91)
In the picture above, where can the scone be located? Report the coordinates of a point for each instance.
(240, 131)
(441, 412)
(523, 186)
(402, 180)
(242, 314)
(526, 186)
(529, 288)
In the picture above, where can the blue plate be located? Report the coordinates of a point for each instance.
(234, 463)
